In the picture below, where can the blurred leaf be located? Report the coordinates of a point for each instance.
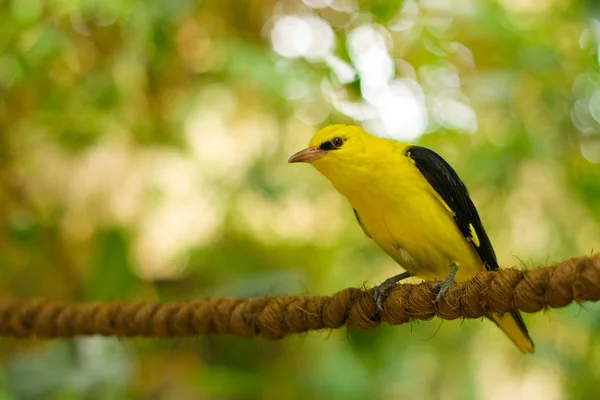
(112, 278)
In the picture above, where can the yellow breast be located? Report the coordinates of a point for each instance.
(406, 218)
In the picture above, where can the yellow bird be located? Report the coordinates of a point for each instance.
(412, 203)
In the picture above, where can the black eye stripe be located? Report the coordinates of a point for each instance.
(327, 146)
(332, 144)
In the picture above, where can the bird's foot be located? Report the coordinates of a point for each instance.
(443, 286)
(379, 294)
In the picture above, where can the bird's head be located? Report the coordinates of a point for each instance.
(339, 152)
(333, 146)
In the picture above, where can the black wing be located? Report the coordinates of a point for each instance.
(453, 191)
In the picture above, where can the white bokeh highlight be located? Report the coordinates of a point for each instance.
(396, 101)
(295, 36)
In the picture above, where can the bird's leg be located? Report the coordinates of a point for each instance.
(443, 286)
(379, 294)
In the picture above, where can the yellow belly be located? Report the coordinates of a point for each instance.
(414, 228)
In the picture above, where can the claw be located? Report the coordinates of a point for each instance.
(379, 293)
(443, 286)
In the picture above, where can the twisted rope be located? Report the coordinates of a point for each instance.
(576, 279)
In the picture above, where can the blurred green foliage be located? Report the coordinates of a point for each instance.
(143, 150)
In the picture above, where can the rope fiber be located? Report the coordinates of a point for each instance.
(576, 279)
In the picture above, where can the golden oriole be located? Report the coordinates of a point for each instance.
(412, 203)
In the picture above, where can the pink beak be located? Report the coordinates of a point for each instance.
(307, 155)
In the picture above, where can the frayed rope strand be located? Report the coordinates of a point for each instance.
(576, 279)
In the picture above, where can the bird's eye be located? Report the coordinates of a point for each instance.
(332, 144)
(337, 142)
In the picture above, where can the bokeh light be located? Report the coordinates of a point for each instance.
(143, 150)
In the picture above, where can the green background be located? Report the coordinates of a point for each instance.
(143, 149)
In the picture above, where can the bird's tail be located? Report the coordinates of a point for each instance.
(513, 326)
